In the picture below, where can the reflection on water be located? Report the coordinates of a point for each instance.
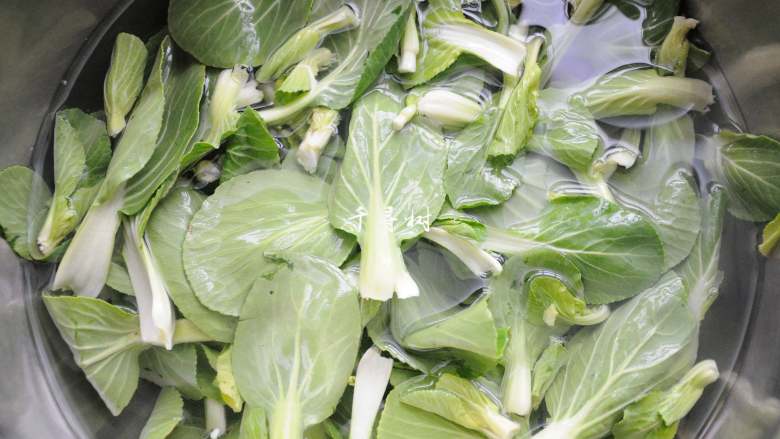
(580, 54)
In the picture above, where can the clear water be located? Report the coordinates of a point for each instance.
(581, 54)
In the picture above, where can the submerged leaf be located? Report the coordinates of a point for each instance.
(248, 218)
(640, 92)
(224, 33)
(361, 56)
(618, 251)
(447, 34)
(470, 179)
(612, 365)
(82, 151)
(24, 198)
(168, 411)
(183, 91)
(403, 421)
(770, 237)
(389, 189)
(657, 415)
(539, 179)
(461, 401)
(250, 148)
(105, 341)
(568, 135)
(295, 374)
(175, 368)
(661, 186)
(167, 229)
(124, 80)
(701, 271)
(748, 165)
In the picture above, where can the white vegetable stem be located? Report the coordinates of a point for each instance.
(500, 426)
(232, 90)
(558, 430)
(216, 422)
(371, 379)
(324, 122)
(84, 267)
(516, 388)
(584, 10)
(477, 260)
(500, 51)
(448, 108)
(343, 18)
(154, 306)
(404, 117)
(410, 46)
(382, 267)
(47, 241)
(286, 422)
(593, 316)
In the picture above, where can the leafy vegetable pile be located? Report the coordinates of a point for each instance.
(288, 209)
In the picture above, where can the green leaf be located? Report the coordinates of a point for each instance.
(187, 432)
(508, 300)
(460, 401)
(305, 41)
(615, 364)
(661, 186)
(226, 381)
(381, 335)
(207, 375)
(519, 118)
(362, 54)
(749, 165)
(295, 374)
(250, 148)
(403, 421)
(770, 237)
(105, 341)
(672, 56)
(328, 164)
(168, 411)
(657, 414)
(617, 250)
(447, 34)
(546, 369)
(549, 300)
(700, 272)
(23, 199)
(538, 179)
(460, 234)
(569, 136)
(640, 92)
(118, 278)
(389, 189)
(175, 368)
(183, 91)
(139, 140)
(250, 216)
(166, 232)
(470, 180)
(435, 319)
(124, 80)
(303, 76)
(253, 424)
(659, 20)
(225, 33)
